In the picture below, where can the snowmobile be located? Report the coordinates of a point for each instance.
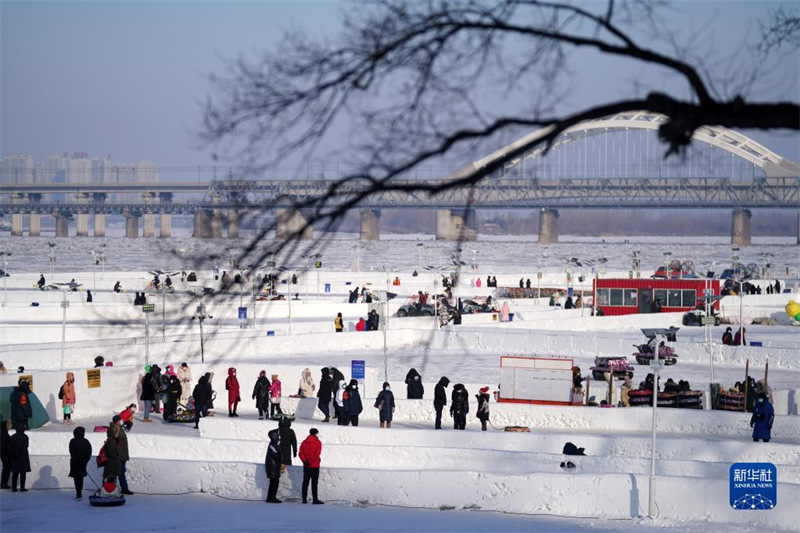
(618, 365)
(646, 352)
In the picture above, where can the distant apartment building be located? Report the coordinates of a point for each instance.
(17, 169)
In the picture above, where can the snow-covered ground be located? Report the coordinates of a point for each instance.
(370, 475)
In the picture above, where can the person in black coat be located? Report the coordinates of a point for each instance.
(21, 410)
(202, 398)
(5, 455)
(288, 442)
(352, 402)
(20, 460)
(88, 297)
(174, 391)
(261, 395)
(80, 451)
(459, 406)
(483, 407)
(414, 388)
(325, 393)
(568, 304)
(272, 464)
(385, 405)
(440, 399)
(148, 395)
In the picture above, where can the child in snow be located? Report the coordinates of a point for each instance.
(109, 488)
(67, 397)
(127, 416)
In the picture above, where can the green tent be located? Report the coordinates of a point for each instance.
(40, 416)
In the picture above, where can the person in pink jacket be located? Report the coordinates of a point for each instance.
(275, 397)
(232, 386)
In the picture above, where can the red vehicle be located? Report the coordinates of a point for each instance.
(632, 296)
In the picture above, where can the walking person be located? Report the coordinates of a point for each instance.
(232, 386)
(272, 465)
(80, 451)
(261, 395)
(385, 405)
(483, 407)
(67, 396)
(459, 406)
(324, 394)
(351, 403)
(338, 323)
(275, 397)
(202, 399)
(307, 386)
(440, 399)
(414, 388)
(310, 452)
(20, 460)
(288, 442)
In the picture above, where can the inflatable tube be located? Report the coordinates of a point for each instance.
(183, 417)
(99, 501)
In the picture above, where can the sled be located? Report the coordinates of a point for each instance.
(517, 429)
(95, 500)
(183, 417)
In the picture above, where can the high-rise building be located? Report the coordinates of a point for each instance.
(17, 169)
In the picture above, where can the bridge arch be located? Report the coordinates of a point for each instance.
(772, 164)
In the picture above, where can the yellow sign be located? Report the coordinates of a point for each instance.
(29, 379)
(93, 378)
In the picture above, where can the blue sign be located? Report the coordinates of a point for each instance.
(753, 486)
(327, 287)
(357, 369)
(242, 313)
(570, 292)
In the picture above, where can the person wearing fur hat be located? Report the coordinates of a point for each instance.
(459, 406)
(261, 395)
(232, 386)
(307, 386)
(483, 407)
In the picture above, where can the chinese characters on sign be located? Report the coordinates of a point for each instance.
(753, 486)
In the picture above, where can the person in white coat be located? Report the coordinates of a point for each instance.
(338, 404)
(185, 378)
(307, 386)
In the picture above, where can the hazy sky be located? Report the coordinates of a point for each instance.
(128, 78)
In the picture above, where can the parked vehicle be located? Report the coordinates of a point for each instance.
(695, 318)
(646, 352)
(477, 305)
(412, 308)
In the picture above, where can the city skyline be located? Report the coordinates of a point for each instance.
(130, 78)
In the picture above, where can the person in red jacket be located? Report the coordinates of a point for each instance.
(232, 386)
(310, 451)
(127, 416)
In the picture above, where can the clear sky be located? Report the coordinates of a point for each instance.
(128, 78)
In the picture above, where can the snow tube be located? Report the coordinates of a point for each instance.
(731, 401)
(98, 501)
(644, 397)
(40, 416)
(182, 417)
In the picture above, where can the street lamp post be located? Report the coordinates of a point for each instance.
(5, 276)
(655, 365)
(64, 305)
(201, 316)
(52, 259)
(95, 260)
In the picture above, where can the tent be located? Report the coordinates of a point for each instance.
(40, 416)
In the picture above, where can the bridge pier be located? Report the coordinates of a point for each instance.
(149, 218)
(740, 227)
(34, 225)
(202, 225)
(233, 224)
(62, 225)
(548, 226)
(82, 219)
(370, 228)
(99, 198)
(450, 225)
(289, 222)
(131, 225)
(17, 220)
(165, 219)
